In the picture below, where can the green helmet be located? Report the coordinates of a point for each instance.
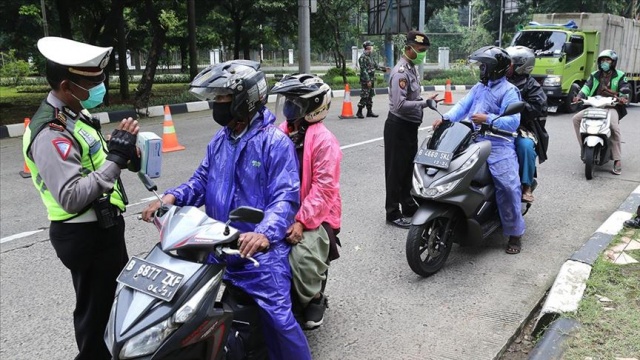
(608, 54)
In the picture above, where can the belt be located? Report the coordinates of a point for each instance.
(89, 216)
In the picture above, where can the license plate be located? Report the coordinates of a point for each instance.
(433, 158)
(552, 109)
(150, 279)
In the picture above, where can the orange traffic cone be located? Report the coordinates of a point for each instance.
(25, 173)
(448, 96)
(169, 137)
(347, 109)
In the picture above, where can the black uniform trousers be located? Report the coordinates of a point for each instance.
(400, 148)
(95, 257)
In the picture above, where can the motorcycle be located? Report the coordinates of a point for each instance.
(595, 132)
(454, 190)
(165, 304)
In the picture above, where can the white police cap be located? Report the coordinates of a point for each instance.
(82, 59)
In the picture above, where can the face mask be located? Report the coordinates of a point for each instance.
(605, 66)
(222, 113)
(96, 95)
(419, 56)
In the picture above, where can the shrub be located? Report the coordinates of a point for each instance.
(13, 68)
(335, 71)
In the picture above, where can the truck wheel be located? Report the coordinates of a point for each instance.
(568, 107)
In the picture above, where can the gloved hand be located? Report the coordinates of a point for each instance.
(122, 147)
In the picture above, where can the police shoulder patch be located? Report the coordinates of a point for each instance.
(62, 146)
(402, 83)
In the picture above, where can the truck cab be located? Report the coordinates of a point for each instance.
(565, 56)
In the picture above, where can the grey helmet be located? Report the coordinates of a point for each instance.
(522, 59)
(241, 78)
(608, 53)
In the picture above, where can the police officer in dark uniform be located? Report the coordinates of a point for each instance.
(401, 129)
(368, 69)
(78, 179)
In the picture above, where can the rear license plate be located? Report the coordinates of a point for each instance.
(552, 109)
(150, 279)
(433, 158)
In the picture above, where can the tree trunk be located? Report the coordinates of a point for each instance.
(64, 21)
(122, 59)
(184, 54)
(157, 43)
(193, 50)
(237, 27)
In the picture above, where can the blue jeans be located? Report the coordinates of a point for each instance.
(525, 148)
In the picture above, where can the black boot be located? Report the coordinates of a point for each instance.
(359, 114)
(370, 112)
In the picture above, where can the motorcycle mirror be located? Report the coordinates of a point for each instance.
(149, 184)
(513, 108)
(432, 104)
(246, 213)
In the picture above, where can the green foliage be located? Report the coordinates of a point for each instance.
(29, 10)
(16, 69)
(336, 71)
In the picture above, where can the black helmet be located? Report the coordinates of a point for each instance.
(240, 78)
(366, 43)
(306, 96)
(494, 62)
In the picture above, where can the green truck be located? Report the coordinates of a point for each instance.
(567, 46)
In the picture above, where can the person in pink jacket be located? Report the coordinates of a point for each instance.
(305, 101)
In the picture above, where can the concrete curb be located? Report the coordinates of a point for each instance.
(17, 130)
(568, 288)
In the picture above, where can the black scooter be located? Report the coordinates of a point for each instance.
(165, 304)
(455, 191)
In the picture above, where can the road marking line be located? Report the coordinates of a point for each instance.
(374, 140)
(19, 236)
(146, 200)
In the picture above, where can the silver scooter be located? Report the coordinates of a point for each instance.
(455, 192)
(595, 132)
(165, 304)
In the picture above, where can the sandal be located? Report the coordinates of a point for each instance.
(617, 167)
(527, 195)
(514, 245)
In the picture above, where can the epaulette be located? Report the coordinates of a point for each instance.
(56, 126)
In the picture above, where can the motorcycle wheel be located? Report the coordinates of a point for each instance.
(589, 162)
(429, 245)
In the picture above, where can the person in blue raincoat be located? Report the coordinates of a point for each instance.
(249, 162)
(484, 102)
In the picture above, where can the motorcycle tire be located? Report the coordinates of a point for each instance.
(589, 162)
(433, 238)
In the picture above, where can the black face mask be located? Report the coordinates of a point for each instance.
(297, 137)
(222, 113)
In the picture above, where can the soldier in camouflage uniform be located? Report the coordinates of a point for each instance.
(368, 69)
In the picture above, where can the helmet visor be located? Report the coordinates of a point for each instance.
(294, 108)
(205, 93)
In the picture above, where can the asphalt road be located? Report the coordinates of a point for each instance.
(379, 309)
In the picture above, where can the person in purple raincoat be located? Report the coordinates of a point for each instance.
(484, 102)
(249, 162)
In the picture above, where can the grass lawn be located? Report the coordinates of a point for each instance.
(610, 329)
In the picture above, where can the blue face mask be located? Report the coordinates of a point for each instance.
(605, 66)
(96, 95)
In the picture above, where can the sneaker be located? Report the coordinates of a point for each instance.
(401, 222)
(633, 223)
(314, 312)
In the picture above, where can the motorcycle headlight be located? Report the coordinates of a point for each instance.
(148, 341)
(186, 311)
(439, 190)
(552, 80)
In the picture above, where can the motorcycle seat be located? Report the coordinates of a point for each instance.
(482, 177)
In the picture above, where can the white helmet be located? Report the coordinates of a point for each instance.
(305, 96)
(522, 59)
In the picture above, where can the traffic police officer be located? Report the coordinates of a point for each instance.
(77, 178)
(368, 69)
(401, 129)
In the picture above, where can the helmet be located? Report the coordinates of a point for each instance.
(305, 96)
(494, 62)
(522, 59)
(240, 78)
(608, 54)
(366, 43)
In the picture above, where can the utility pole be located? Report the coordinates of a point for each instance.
(45, 26)
(304, 37)
(193, 51)
(500, 30)
(421, 29)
